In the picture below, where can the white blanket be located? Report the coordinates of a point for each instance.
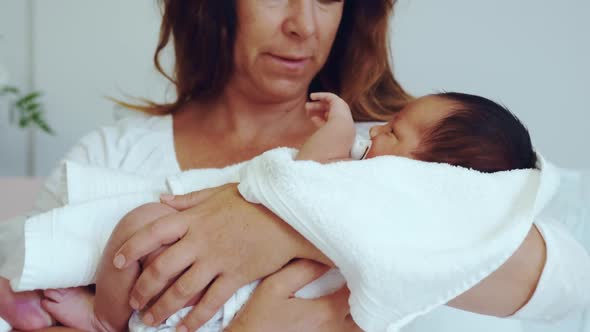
(415, 232)
(401, 231)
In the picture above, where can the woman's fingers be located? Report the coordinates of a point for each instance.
(163, 231)
(274, 308)
(178, 295)
(156, 275)
(336, 303)
(294, 276)
(219, 292)
(187, 201)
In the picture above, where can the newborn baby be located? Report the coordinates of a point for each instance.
(453, 128)
(458, 129)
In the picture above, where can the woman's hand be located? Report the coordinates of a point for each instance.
(219, 241)
(272, 307)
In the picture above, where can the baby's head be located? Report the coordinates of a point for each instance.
(457, 129)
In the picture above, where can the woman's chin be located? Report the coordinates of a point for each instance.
(283, 90)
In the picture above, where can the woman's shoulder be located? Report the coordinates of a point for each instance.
(136, 121)
(141, 145)
(136, 143)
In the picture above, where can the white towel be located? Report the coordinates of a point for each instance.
(417, 234)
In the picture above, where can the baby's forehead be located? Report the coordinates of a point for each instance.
(426, 111)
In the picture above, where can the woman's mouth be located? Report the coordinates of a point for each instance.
(290, 62)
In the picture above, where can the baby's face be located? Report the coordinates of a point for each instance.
(402, 135)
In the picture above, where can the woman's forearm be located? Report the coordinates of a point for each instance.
(511, 286)
(308, 251)
(503, 292)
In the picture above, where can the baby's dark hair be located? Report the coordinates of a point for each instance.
(478, 134)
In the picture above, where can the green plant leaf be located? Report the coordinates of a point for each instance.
(6, 90)
(27, 99)
(27, 110)
(23, 122)
(32, 109)
(44, 126)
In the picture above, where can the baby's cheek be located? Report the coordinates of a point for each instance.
(377, 149)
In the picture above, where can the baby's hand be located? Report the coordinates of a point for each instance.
(325, 107)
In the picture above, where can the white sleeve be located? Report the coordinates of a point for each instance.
(565, 226)
(97, 148)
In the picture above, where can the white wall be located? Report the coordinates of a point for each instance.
(85, 51)
(14, 55)
(532, 55)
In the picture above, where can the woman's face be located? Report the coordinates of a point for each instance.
(282, 44)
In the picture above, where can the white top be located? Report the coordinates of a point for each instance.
(145, 146)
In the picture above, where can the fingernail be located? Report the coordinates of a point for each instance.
(166, 197)
(134, 304)
(181, 328)
(148, 319)
(119, 261)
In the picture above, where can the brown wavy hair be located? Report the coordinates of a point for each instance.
(203, 34)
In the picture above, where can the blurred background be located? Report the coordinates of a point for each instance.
(531, 55)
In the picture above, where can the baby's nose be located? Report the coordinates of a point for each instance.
(376, 130)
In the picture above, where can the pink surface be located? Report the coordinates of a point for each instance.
(17, 195)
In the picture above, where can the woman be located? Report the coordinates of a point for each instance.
(241, 66)
(279, 49)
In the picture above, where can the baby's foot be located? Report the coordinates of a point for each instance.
(22, 310)
(73, 307)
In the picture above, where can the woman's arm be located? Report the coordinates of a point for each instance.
(552, 265)
(221, 242)
(510, 287)
(272, 307)
(55, 215)
(52, 195)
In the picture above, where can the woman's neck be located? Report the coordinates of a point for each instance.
(244, 127)
(250, 120)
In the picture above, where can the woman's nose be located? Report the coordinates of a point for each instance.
(302, 19)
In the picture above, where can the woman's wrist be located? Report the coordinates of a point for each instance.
(311, 252)
(298, 245)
